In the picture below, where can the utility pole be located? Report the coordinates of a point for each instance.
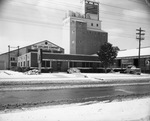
(40, 59)
(8, 57)
(139, 37)
(9, 53)
(18, 50)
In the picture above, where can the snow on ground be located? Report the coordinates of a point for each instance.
(129, 110)
(116, 75)
(7, 75)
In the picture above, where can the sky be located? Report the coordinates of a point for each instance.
(24, 22)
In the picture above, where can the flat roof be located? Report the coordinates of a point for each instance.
(69, 57)
(144, 51)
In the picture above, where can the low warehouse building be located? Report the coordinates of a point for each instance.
(131, 57)
(53, 57)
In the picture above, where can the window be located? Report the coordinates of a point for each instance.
(91, 24)
(27, 63)
(47, 63)
(73, 64)
(12, 58)
(83, 64)
(43, 63)
(91, 64)
(98, 64)
(13, 64)
(97, 25)
(87, 64)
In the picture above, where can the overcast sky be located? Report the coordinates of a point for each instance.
(24, 22)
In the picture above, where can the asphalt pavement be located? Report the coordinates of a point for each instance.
(12, 99)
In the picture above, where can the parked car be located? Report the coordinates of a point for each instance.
(73, 70)
(32, 72)
(131, 69)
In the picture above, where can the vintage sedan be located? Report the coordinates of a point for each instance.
(131, 69)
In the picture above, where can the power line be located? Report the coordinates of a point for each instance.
(79, 7)
(48, 24)
(114, 33)
(138, 2)
(124, 20)
(65, 4)
(103, 17)
(32, 22)
(123, 8)
(52, 24)
(118, 14)
(37, 5)
(102, 4)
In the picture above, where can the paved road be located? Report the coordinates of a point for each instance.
(25, 98)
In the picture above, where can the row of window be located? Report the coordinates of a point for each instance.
(46, 64)
(23, 57)
(89, 32)
(13, 64)
(12, 59)
(23, 64)
(93, 24)
(83, 64)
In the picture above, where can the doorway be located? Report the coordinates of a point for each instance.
(136, 62)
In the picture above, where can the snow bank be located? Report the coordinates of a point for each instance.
(108, 77)
(137, 109)
(11, 76)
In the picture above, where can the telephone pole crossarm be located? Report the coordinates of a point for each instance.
(139, 37)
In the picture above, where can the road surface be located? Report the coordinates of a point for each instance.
(11, 99)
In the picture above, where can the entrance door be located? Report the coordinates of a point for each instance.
(136, 62)
(58, 66)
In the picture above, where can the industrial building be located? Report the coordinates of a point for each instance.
(53, 57)
(131, 57)
(82, 37)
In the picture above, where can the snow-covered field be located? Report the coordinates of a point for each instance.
(129, 110)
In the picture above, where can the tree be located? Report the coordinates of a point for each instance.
(107, 54)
